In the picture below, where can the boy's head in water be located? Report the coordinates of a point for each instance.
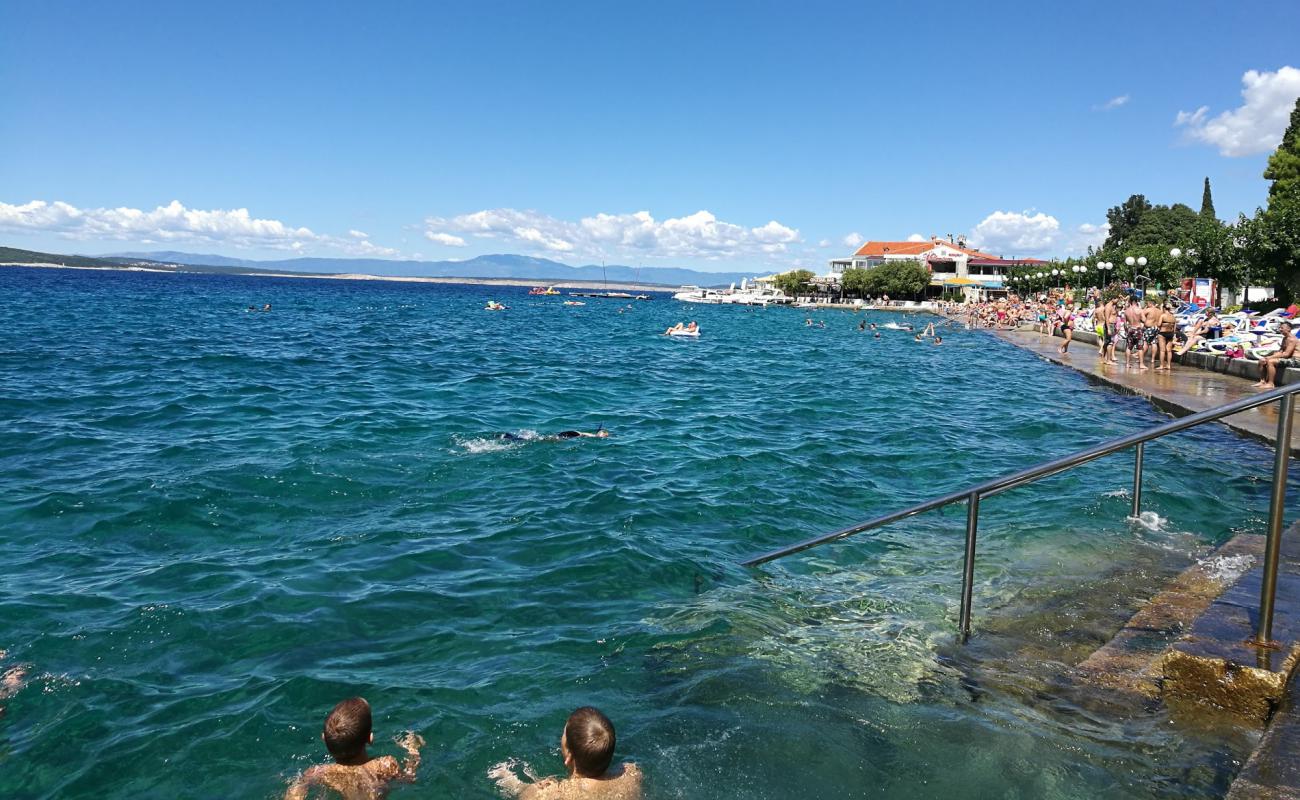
(347, 730)
(588, 743)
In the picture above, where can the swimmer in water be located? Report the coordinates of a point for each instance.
(599, 433)
(355, 775)
(11, 683)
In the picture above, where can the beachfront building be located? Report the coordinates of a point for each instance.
(952, 265)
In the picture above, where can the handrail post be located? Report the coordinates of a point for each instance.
(968, 568)
(1276, 509)
(1137, 478)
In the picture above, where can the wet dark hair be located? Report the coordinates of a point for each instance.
(347, 728)
(590, 737)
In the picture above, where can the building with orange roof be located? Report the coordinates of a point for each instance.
(950, 263)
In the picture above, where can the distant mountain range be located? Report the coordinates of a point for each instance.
(541, 270)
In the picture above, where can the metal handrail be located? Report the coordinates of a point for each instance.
(1285, 397)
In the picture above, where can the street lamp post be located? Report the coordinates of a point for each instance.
(1137, 264)
(1102, 268)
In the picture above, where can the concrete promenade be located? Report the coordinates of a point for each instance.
(1181, 391)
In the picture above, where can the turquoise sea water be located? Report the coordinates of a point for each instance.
(217, 524)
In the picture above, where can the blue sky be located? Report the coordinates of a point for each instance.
(716, 136)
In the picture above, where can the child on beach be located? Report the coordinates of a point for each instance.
(355, 775)
(587, 746)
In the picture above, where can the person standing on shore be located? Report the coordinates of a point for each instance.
(1168, 326)
(1110, 327)
(1151, 333)
(1066, 317)
(1133, 334)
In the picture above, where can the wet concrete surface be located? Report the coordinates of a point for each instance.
(1180, 391)
(1273, 771)
(1131, 661)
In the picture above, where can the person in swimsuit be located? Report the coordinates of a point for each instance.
(1110, 326)
(1268, 367)
(1168, 326)
(1151, 333)
(1133, 334)
(599, 433)
(1066, 316)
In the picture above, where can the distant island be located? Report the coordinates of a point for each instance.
(504, 269)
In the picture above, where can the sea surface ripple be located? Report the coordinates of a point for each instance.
(218, 523)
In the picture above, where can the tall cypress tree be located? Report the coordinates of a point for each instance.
(1207, 203)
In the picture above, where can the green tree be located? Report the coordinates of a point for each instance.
(1277, 234)
(899, 278)
(1124, 218)
(1284, 165)
(1207, 202)
(856, 281)
(795, 283)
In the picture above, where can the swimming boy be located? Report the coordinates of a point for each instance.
(11, 683)
(355, 775)
(587, 746)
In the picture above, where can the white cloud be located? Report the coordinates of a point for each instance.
(639, 234)
(853, 239)
(174, 223)
(916, 237)
(1113, 103)
(356, 234)
(824, 243)
(444, 239)
(1088, 235)
(1257, 126)
(1012, 233)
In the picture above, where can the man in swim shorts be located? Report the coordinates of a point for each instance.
(1133, 333)
(1151, 333)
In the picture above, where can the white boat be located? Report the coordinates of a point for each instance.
(694, 294)
(746, 295)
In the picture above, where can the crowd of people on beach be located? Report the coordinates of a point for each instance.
(1147, 325)
(586, 747)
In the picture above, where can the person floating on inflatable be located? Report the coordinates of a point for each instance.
(493, 305)
(680, 329)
